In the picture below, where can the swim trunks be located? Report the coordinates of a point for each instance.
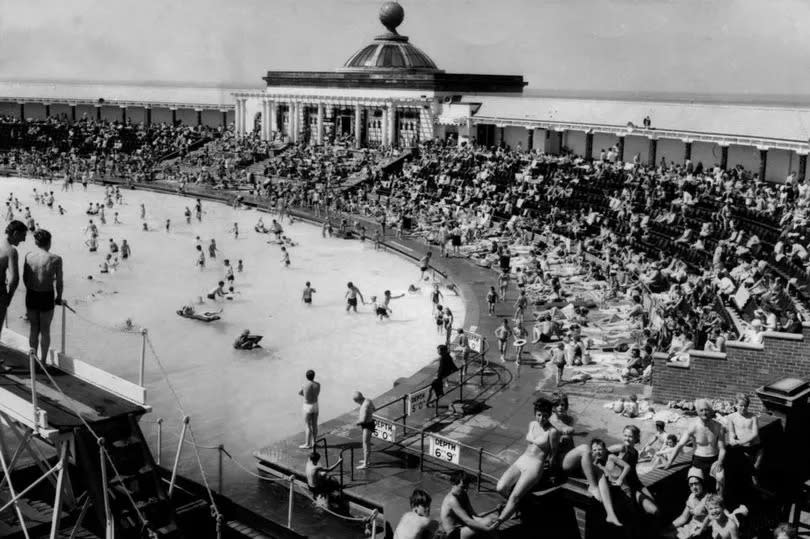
(310, 408)
(36, 300)
(367, 425)
(353, 302)
(455, 534)
(307, 300)
(424, 268)
(211, 296)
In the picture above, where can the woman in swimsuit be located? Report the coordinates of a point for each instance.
(527, 470)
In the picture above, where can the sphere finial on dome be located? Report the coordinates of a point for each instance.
(391, 16)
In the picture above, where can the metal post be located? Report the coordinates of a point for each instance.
(220, 450)
(422, 452)
(143, 356)
(436, 403)
(351, 468)
(32, 365)
(290, 504)
(480, 458)
(374, 525)
(110, 528)
(57, 504)
(159, 439)
(64, 327)
(177, 454)
(405, 412)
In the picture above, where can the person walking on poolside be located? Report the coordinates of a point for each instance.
(424, 265)
(306, 297)
(198, 209)
(503, 332)
(126, 250)
(9, 264)
(520, 307)
(351, 297)
(143, 211)
(212, 249)
(310, 391)
(503, 284)
(365, 421)
(42, 273)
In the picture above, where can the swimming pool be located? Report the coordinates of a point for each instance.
(242, 399)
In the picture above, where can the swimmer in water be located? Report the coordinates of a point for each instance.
(306, 297)
(200, 263)
(381, 310)
(285, 257)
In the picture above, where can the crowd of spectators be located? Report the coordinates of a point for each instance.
(87, 147)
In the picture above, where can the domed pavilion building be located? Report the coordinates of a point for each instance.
(388, 92)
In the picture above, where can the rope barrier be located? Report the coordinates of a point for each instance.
(179, 403)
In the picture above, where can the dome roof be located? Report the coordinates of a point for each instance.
(390, 50)
(387, 53)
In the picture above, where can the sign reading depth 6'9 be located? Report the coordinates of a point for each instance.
(444, 449)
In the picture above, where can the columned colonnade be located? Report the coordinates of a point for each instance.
(792, 155)
(388, 122)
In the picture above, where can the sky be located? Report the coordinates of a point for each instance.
(690, 46)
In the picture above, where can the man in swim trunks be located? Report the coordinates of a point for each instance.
(458, 518)
(9, 263)
(365, 421)
(424, 264)
(217, 291)
(42, 272)
(710, 444)
(318, 480)
(310, 391)
(351, 297)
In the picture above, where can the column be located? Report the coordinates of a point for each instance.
(148, 113)
(501, 135)
(723, 156)
(199, 116)
(22, 112)
(123, 115)
(802, 167)
(266, 119)
(273, 107)
(73, 113)
(763, 162)
(98, 113)
(588, 146)
(174, 116)
(47, 110)
(319, 135)
(384, 134)
(224, 118)
(246, 127)
(392, 125)
(530, 141)
(291, 121)
(687, 150)
(358, 125)
(652, 151)
(236, 118)
(620, 146)
(561, 133)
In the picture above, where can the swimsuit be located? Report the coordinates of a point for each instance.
(38, 300)
(353, 302)
(370, 425)
(310, 408)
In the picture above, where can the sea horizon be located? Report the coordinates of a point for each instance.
(737, 98)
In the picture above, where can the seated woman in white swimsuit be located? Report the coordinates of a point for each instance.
(527, 470)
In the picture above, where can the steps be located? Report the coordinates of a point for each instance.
(138, 482)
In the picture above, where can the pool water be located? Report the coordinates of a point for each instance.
(241, 399)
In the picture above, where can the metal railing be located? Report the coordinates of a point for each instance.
(412, 433)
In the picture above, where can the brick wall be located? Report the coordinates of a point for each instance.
(743, 368)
